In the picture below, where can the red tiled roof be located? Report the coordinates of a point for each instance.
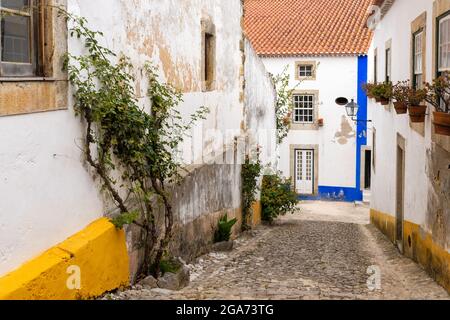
(308, 27)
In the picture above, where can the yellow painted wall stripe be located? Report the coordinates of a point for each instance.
(418, 245)
(100, 253)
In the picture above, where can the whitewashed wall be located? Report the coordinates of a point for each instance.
(46, 192)
(260, 98)
(396, 25)
(336, 77)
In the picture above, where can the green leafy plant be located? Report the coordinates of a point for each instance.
(251, 171)
(438, 93)
(168, 265)
(368, 87)
(284, 105)
(416, 97)
(400, 92)
(224, 227)
(382, 91)
(131, 150)
(277, 197)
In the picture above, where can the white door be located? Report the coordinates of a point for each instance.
(304, 171)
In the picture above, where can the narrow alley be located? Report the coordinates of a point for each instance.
(323, 252)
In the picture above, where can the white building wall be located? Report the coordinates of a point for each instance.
(396, 25)
(336, 77)
(260, 98)
(46, 191)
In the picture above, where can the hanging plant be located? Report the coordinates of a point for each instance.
(382, 92)
(416, 107)
(368, 89)
(400, 95)
(439, 97)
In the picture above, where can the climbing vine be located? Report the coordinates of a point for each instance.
(284, 105)
(251, 171)
(130, 149)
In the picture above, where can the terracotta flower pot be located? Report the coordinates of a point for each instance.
(384, 102)
(417, 113)
(400, 107)
(441, 123)
(378, 100)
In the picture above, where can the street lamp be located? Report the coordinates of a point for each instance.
(351, 108)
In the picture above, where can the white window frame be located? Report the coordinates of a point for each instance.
(306, 73)
(29, 68)
(388, 64)
(444, 42)
(304, 108)
(418, 58)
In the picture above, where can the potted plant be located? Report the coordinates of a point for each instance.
(368, 87)
(400, 94)
(439, 97)
(382, 93)
(417, 110)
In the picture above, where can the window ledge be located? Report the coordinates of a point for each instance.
(27, 79)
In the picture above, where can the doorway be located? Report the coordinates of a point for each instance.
(304, 172)
(400, 198)
(367, 169)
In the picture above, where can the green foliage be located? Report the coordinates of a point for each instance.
(224, 227)
(284, 105)
(277, 198)
(125, 219)
(400, 91)
(122, 139)
(438, 92)
(251, 171)
(382, 91)
(168, 266)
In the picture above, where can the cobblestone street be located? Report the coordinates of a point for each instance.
(322, 252)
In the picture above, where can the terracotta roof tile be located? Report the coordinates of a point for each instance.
(308, 27)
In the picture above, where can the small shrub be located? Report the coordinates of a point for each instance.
(277, 198)
(168, 265)
(251, 172)
(223, 232)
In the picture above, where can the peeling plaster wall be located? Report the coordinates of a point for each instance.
(48, 194)
(336, 77)
(427, 195)
(260, 99)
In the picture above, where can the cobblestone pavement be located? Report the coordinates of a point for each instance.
(322, 252)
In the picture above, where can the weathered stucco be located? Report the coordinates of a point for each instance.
(48, 192)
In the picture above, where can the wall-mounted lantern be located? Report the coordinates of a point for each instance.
(351, 108)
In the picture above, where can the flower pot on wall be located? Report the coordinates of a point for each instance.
(417, 113)
(441, 123)
(400, 107)
(384, 102)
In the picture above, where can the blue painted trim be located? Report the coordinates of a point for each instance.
(361, 139)
(336, 194)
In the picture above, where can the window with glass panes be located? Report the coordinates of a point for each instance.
(443, 51)
(418, 60)
(388, 65)
(305, 70)
(19, 37)
(303, 108)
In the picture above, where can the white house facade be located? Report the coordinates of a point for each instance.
(411, 167)
(326, 153)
